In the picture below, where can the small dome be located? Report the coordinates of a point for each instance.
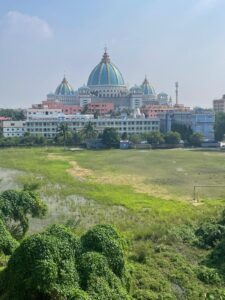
(163, 96)
(64, 89)
(105, 73)
(84, 90)
(148, 90)
(136, 90)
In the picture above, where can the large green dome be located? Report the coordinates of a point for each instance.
(64, 89)
(105, 74)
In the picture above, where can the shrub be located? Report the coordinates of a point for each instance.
(100, 289)
(105, 239)
(217, 257)
(172, 138)
(7, 242)
(43, 264)
(209, 233)
(208, 276)
(92, 263)
(52, 266)
(185, 234)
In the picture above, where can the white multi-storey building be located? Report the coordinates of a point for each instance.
(13, 128)
(47, 123)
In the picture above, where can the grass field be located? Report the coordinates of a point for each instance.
(148, 195)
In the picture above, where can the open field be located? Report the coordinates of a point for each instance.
(148, 195)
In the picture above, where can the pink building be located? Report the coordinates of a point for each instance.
(66, 109)
(154, 110)
(102, 108)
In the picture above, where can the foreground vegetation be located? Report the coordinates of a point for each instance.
(173, 244)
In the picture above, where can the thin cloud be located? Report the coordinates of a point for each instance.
(18, 24)
(203, 6)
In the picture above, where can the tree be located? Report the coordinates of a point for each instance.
(196, 139)
(7, 243)
(88, 132)
(219, 126)
(135, 138)
(154, 137)
(15, 114)
(17, 206)
(172, 138)
(63, 131)
(56, 264)
(124, 136)
(110, 137)
(77, 138)
(184, 130)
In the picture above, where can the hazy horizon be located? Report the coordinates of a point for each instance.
(166, 40)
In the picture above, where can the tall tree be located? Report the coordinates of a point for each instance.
(184, 130)
(15, 114)
(63, 131)
(110, 137)
(172, 138)
(219, 126)
(154, 137)
(89, 132)
(17, 206)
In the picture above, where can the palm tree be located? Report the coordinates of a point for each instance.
(88, 131)
(63, 130)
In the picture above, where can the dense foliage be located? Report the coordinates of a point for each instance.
(110, 137)
(184, 131)
(196, 139)
(15, 114)
(17, 206)
(219, 126)
(172, 138)
(56, 264)
(7, 243)
(154, 137)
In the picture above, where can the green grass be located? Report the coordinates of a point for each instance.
(146, 194)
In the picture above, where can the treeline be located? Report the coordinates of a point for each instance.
(109, 138)
(14, 114)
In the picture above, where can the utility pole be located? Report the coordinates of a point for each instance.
(176, 87)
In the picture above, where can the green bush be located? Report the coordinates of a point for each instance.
(53, 265)
(104, 239)
(208, 275)
(209, 234)
(78, 294)
(44, 264)
(92, 263)
(7, 242)
(100, 289)
(185, 234)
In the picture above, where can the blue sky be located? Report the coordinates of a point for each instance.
(167, 40)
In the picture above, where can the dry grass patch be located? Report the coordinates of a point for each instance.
(75, 170)
(78, 172)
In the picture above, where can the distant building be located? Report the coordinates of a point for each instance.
(219, 105)
(13, 128)
(106, 85)
(47, 121)
(200, 121)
